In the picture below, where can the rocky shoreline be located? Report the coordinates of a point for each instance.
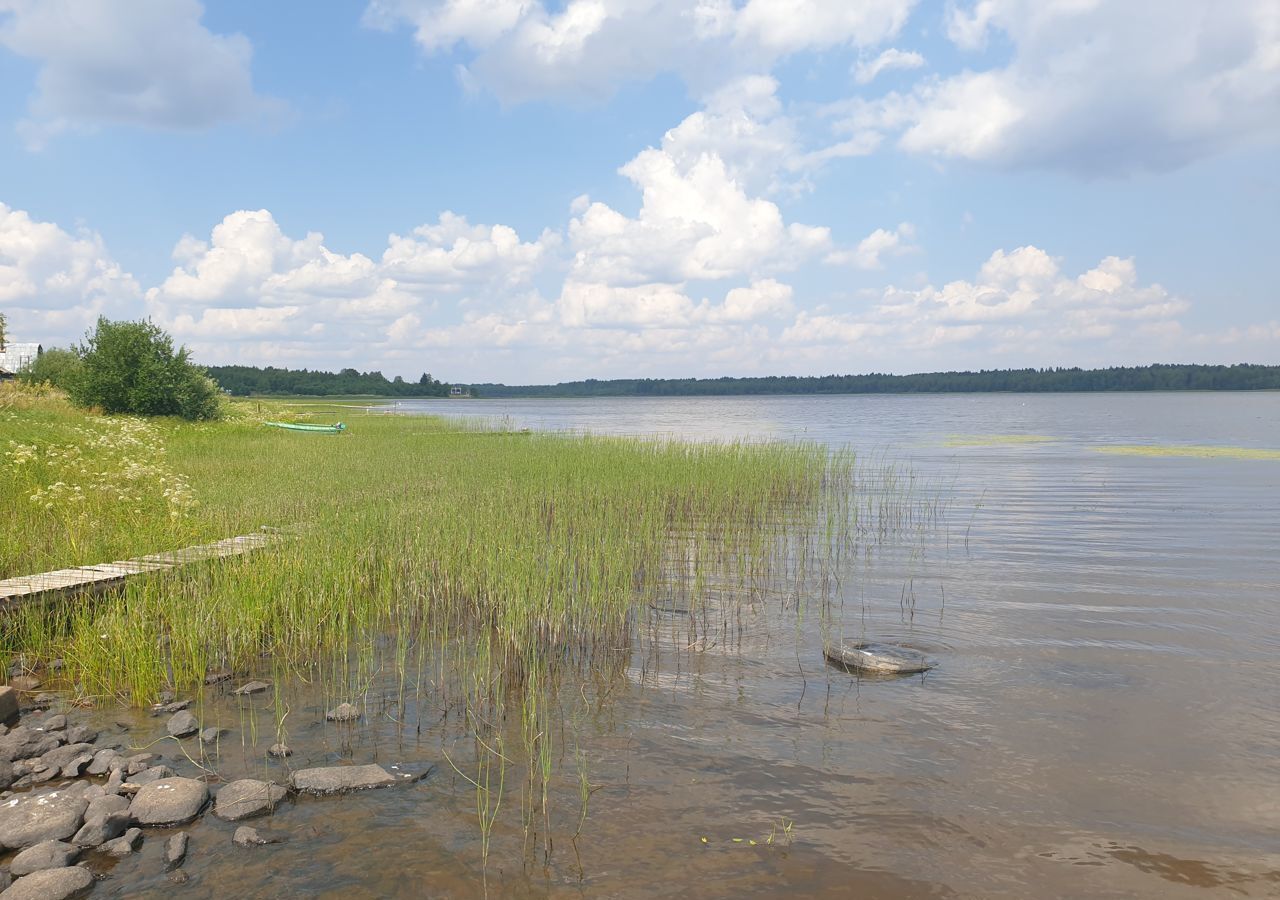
(75, 800)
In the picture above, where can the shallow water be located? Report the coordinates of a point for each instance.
(1103, 720)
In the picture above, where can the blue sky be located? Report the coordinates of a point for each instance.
(515, 190)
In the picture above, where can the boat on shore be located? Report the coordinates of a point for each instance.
(336, 428)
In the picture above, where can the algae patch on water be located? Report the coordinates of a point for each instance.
(995, 440)
(1190, 450)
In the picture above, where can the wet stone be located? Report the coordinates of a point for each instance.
(280, 751)
(25, 683)
(101, 762)
(340, 779)
(54, 723)
(74, 768)
(217, 677)
(45, 773)
(135, 764)
(25, 743)
(183, 724)
(175, 850)
(343, 712)
(155, 773)
(44, 855)
(28, 819)
(60, 756)
(106, 818)
(169, 801)
(7, 775)
(81, 734)
(50, 884)
(8, 703)
(125, 844)
(210, 735)
(253, 687)
(176, 706)
(247, 798)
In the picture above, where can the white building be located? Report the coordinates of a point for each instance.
(15, 357)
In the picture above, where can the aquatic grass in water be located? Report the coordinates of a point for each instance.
(1189, 450)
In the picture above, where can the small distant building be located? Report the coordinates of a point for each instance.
(457, 391)
(15, 357)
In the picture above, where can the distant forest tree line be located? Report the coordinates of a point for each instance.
(242, 381)
(1242, 377)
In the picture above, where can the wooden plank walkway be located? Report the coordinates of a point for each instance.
(64, 582)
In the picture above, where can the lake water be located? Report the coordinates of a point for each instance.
(1104, 720)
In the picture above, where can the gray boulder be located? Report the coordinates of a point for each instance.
(247, 798)
(155, 773)
(340, 779)
(23, 743)
(101, 762)
(50, 884)
(183, 724)
(54, 723)
(81, 734)
(106, 818)
(61, 756)
(169, 801)
(210, 735)
(28, 819)
(44, 855)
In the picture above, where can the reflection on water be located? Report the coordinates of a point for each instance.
(1102, 721)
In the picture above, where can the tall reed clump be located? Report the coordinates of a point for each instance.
(483, 564)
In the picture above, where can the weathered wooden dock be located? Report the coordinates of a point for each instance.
(15, 592)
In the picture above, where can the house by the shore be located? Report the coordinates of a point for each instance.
(15, 357)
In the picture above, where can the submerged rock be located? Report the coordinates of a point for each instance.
(248, 836)
(878, 659)
(343, 712)
(50, 884)
(217, 677)
(280, 751)
(339, 779)
(183, 724)
(253, 687)
(169, 801)
(210, 735)
(44, 855)
(247, 798)
(29, 819)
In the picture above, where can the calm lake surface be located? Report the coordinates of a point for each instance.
(1104, 720)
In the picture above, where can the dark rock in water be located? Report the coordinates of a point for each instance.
(169, 708)
(167, 696)
(53, 723)
(183, 724)
(878, 659)
(115, 782)
(135, 764)
(217, 677)
(169, 801)
(81, 734)
(248, 836)
(179, 877)
(253, 687)
(43, 773)
(51, 884)
(60, 756)
(155, 773)
(409, 774)
(74, 768)
(175, 850)
(343, 712)
(24, 683)
(101, 762)
(28, 819)
(7, 775)
(125, 844)
(280, 751)
(210, 735)
(8, 703)
(44, 855)
(247, 798)
(339, 779)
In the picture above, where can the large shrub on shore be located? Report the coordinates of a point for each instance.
(132, 367)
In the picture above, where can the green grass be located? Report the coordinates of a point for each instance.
(1189, 450)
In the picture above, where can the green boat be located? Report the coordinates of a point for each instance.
(314, 429)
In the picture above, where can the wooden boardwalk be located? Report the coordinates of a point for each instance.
(15, 592)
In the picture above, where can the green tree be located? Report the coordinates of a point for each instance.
(59, 368)
(132, 367)
(1, 331)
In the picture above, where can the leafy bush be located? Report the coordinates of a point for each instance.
(132, 367)
(59, 368)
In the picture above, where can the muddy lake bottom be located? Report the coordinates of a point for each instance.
(1101, 722)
